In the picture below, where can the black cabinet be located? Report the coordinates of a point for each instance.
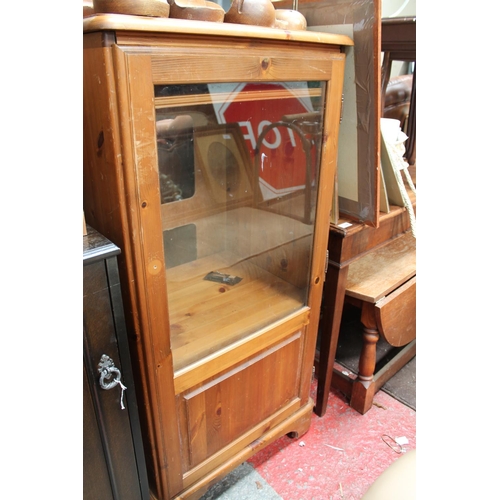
(113, 455)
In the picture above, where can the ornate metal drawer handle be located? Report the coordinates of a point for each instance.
(107, 369)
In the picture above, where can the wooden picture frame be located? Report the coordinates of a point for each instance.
(222, 155)
(364, 17)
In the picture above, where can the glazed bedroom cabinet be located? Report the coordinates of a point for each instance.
(209, 158)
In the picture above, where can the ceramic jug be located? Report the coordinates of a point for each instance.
(150, 8)
(254, 12)
(201, 10)
(290, 20)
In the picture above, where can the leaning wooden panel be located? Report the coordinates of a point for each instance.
(224, 358)
(239, 68)
(363, 17)
(369, 279)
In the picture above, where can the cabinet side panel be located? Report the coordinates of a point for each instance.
(102, 179)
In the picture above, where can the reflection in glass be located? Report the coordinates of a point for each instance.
(223, 166)
(238, 174)
(174, 138)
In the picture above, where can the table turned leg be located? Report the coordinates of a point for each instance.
(368, 357)
(363, 389)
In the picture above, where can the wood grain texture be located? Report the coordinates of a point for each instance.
(225, 340)
(150, 280)
(149, 8)
(190, 27)
(230, 405)
(296, 419)
(324, 204)
(380, 272)
(397, 314)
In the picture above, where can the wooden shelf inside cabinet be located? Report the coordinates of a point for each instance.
(216, 181)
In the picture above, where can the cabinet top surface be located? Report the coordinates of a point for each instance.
(121, 22)
(97, 247)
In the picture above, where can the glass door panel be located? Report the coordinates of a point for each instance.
(238, 170)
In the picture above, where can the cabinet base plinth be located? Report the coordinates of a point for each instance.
(296, 425)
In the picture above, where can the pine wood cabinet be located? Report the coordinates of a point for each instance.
(209, 159)
(114, 467)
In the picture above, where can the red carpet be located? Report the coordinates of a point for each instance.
(342, 453)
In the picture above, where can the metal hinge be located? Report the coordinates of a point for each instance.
(326, 263)
(341, 108)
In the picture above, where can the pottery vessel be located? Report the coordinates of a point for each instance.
(201, 10)
(149, 8)
(253, 12)
(88, 8)
(290, 20)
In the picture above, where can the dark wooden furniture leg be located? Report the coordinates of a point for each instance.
(399, 43)
(393, 318)
(411, 145)
(334, 293)
(363, 388)
(386, 75)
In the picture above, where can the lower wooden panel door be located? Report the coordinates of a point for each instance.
(229, 411)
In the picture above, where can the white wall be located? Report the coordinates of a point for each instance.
(399, 8)
(390, 8)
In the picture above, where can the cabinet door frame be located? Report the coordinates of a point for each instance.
(136, 71)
